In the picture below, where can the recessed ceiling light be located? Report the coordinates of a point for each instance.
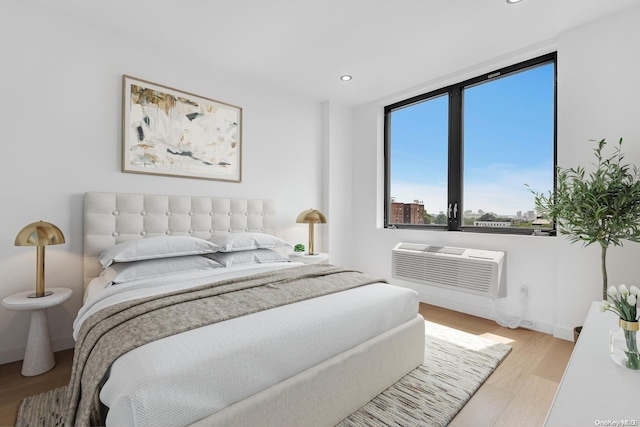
(513, 1)
(345, 77)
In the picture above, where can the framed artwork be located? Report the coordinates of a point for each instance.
(169, 132)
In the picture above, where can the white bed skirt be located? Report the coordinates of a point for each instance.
(325, 394)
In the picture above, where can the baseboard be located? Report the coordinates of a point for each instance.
(11, 355)
(484, 311)
(17, 354)
(563, 332)
(63, 343)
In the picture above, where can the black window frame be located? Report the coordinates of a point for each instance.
(455, 147)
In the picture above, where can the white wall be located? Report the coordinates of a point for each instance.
(60, 118)
(337, 179)
(598, 97)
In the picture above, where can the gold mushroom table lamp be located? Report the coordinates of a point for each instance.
(39, 234)
(311, 217)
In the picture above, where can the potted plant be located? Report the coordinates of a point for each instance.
(601, 206)
(298, 248)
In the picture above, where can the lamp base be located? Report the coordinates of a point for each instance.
(46, 294)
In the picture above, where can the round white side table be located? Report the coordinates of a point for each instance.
(38, 357)
(316, 258)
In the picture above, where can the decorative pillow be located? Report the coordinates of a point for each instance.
(156, 247)
(122, 272)
(232, 242)
(255, 256)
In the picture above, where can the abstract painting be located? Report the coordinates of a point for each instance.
(175, 133)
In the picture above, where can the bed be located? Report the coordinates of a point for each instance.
(291, 365)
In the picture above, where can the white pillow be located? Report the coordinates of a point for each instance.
(232, 242)
(156, 247)
(255, 256)
(122, 272)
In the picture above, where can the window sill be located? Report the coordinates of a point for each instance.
(486, 230)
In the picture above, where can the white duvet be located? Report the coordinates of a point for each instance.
(181, 379)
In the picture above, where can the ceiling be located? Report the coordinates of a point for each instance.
(304, 46)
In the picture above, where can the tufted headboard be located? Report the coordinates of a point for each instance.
(112, 218)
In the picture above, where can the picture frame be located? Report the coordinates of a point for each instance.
(170, 132)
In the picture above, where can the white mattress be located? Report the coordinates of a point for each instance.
(184, 378)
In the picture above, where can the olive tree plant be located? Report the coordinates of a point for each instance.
(601, 206)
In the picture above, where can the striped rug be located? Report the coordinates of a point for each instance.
(456, 364)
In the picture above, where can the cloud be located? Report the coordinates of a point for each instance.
(496, 188)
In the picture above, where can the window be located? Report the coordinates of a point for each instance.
(461, 157)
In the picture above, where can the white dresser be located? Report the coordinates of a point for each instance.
(594, 391)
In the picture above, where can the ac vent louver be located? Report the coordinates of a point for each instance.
(473, 271)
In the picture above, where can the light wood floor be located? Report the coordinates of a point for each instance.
(14, 387)
(518, 393)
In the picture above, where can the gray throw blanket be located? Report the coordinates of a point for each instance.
(117, 329)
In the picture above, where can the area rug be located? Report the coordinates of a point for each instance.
(455, 365)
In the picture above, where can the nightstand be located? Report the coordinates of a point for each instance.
(317, 258)
(38, 358)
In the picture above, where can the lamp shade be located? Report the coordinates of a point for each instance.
(39, 233)
(311, 216)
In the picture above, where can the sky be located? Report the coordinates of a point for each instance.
(508, 142)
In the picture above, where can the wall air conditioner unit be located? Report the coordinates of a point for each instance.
(472, 271)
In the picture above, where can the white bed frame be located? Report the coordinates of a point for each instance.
(322, 395)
